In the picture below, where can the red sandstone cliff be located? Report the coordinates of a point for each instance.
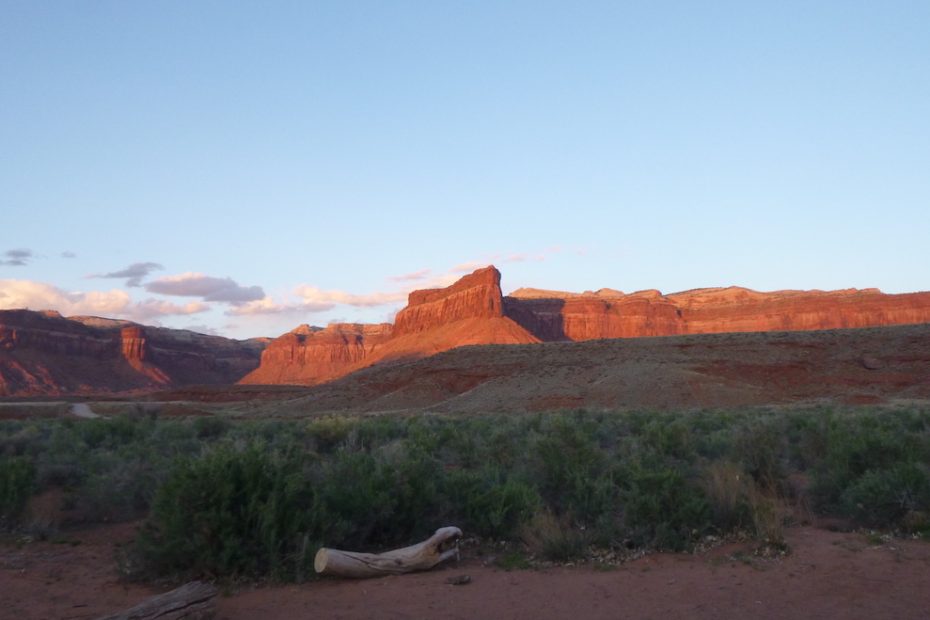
(552, 315)
(470, 311)
(473, 311)
(43, 353)
(477, 295)
(737, 309)
(321, 354)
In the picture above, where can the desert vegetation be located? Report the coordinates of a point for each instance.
(256, 498)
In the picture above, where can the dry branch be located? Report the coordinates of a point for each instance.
(192, 601)
(440, 547)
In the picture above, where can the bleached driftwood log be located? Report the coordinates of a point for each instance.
(440, 547)
(192, 601)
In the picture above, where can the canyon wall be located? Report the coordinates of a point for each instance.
(475, 296)
(43, 353)
(472, 311)
(312, 354)
(611, 314)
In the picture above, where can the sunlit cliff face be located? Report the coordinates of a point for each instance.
(473, 311)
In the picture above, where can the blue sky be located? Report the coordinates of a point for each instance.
(262, 165)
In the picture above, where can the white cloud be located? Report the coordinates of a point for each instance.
(149, 308)
(114, 303)
(440, 281)
(310, 299)
(200, 328)
(313, 295)
(267, 305)
(468, 267)
(411, 277)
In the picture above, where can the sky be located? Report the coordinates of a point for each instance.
(241, 168)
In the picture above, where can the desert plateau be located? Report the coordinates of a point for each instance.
(604, 453)
(464, 310)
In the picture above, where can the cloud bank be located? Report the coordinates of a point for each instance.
(309, 299)
(411, 277)
(207, 287)
(313, 299)
(114, 303)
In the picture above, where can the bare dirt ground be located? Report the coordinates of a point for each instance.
(826, 575)
(876, 366)
(853, 366)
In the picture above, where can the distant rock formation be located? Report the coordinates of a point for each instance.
(326, 353)
(475, 296)
(612, 314)
(474, 311)
(470, 311)
(43, 353)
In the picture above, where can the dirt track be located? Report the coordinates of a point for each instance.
(827, 575)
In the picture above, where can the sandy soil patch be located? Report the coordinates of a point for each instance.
(827, 575)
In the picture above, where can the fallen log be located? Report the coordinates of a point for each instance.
(192, 601)
(441, 546)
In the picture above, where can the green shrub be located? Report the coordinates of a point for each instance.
(210, 427)
(661, 509)
(856, 445)
(554, 538)
(415, 481)
(17, 483)
(726, 486)
(573, 472)
(488, 503)
(884, 497)
(329, 432)
(353, 501)
(231, 513)
(759, 448)
(669, 436)
(255, 497)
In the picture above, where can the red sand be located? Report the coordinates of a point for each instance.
(827, 575)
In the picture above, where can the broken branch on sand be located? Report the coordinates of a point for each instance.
(441, 546)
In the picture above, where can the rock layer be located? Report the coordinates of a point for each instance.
(325, 353)
(477, 295)
(43, 353)
(470, 311)
(473, 311)
(612, 314)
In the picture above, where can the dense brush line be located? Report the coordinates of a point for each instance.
(256, 498)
